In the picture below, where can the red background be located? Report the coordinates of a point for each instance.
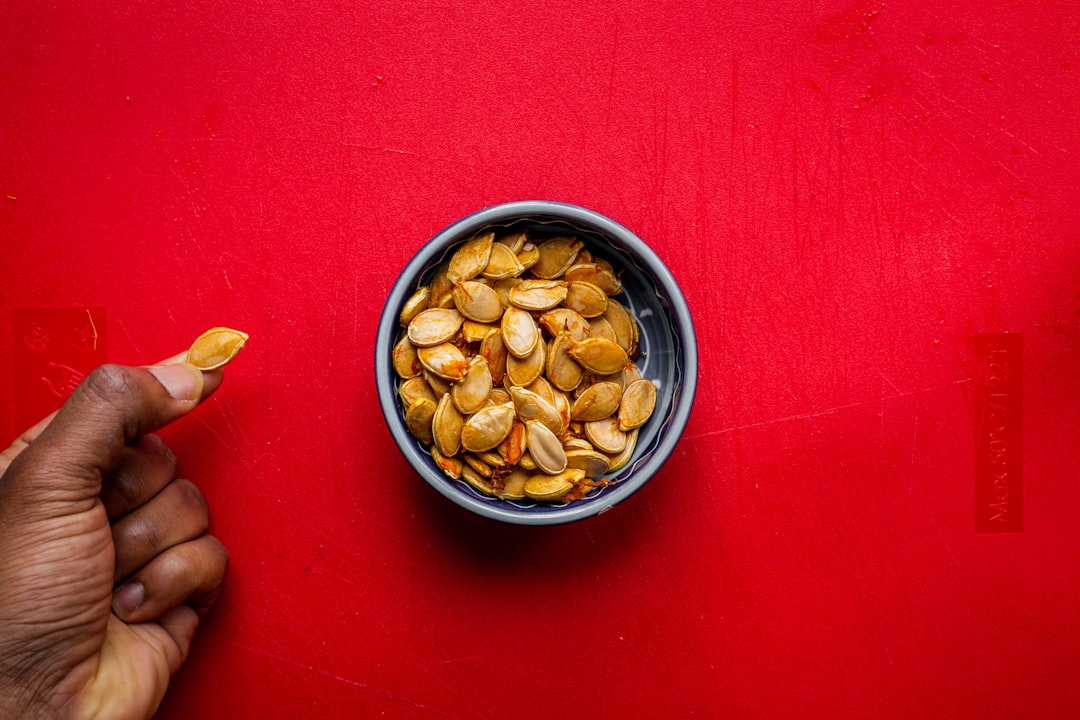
(847, 193)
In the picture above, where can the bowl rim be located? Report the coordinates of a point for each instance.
(541, 210)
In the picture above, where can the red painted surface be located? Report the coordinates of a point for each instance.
(52, 351)
(848, 193)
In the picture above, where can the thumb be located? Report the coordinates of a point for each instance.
(114, 405)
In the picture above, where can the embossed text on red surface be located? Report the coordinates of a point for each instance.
(999, 497)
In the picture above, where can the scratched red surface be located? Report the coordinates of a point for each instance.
(848, 194)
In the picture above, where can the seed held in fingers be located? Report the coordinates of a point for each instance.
(216, 347)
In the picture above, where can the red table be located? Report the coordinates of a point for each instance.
(856, 198)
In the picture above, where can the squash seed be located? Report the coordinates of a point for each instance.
(470, 259)
(439, 386)
(530, 406)
(477, 301)
(494, 352)
(565, 320)
(441, 287)
(503, 287)
(545, 448)
(599, 401)
(487, 428)
(576, 443)
(630, 374)
(444, 360)
(593, 463)
(434, 326)
(446, 426)
(537, 294)
(553, 487)
(599, 327)
(470, 393)
(555, 256)
(529, 255)
(216, 347)
(623, 324)
(472, 331)
(523, 371)
(418, 419)
(543, 388)
(519, 332)
(415, 388)
(595, 274)
(637, 404)
(476, 481)
(514, 485)
(416, 303)
(605, 435)
(513, 447)
(620, 459)
(450, 466)
(514, 241)
(598, 355)
(406, 363)
(478, 465)
(586, 299)
(526, 462)
(503, 263)
(562, 406)
(563, 371)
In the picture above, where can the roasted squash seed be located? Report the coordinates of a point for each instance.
(516, 369)
(216, 347)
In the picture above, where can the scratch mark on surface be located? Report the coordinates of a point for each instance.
(221, 259)
(131, 340)
(611, 74)
(273, 444)
(226, 440)
(914, 438)
(93, 328)
(825, 412)
(889, 383)
(347, 681)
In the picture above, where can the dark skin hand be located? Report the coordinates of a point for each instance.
(105, 564)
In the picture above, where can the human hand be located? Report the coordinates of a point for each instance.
(105, 564)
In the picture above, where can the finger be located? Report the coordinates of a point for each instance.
(191, 573)
(211, 381)
(180, 623)
(110, 408)
(175, 515)
(22, 441)
(142, 470)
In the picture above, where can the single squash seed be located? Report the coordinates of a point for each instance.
(216, 347)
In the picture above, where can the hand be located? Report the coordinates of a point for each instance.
(105, 564)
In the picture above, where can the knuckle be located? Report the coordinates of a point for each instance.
(109, 383)
(217, 554)
(114, 391)
(137, 533)
(192, 499)
(126, 485)
(158, 447)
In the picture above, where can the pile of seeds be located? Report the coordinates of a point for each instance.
(516, 368)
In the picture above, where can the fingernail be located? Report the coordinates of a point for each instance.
(129, 598)
(182, 381)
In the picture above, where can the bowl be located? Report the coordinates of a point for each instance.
(668, 352)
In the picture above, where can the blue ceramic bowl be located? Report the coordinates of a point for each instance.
(668, 352)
